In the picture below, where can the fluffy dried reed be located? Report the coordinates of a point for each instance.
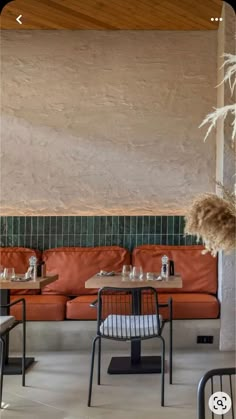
(214, 220)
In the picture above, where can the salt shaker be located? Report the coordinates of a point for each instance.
(164, 266)
(33, 264)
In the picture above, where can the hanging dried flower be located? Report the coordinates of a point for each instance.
(214, 220)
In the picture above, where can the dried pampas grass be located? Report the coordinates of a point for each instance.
(214, 220)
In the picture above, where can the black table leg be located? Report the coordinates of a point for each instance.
(12, 366)
(135, 364)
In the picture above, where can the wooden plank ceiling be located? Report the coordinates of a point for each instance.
(112, 14)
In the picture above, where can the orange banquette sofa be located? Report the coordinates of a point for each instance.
(67, 298)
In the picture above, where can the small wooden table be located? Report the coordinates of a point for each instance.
(135, 363)
(14, 365)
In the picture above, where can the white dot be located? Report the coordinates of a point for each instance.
(212, 18)
(221, 18)
(216, 19)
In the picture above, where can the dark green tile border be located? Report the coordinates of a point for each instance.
(127, 231)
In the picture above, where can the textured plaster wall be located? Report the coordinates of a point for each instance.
(105, 122)
(225, 173)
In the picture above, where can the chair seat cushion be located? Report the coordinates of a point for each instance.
(185, 306)
(41, 307)
(119, 326)
(6, 322)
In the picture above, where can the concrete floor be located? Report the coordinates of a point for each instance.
(57, 387)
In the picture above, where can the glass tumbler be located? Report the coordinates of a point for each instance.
(126, 271)
(137, 273)
(9, 273)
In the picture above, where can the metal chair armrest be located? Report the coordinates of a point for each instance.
(94, 304)
(21, 300)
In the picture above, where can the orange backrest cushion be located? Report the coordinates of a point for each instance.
(198, 271)
(18, 258)
(75, 265)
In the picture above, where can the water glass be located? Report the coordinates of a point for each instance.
(126, 271)
(137, 273)
(1, 271)
(150, 276)
(9, 273)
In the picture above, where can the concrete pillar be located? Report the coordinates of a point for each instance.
(225, 171)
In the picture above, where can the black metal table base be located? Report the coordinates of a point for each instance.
(123, 365)
(14, 365)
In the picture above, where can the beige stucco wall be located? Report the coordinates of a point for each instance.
(98, 122)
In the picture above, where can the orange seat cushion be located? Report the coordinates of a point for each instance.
(185, 306)
(198, 271)
(41, 307)
(18, 258)
(77, 264)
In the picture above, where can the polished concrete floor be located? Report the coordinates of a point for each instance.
(57, 387)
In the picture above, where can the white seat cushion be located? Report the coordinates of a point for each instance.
(120, 326)
(6, 322)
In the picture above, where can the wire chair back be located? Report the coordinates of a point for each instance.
(128, 313)
(221, 379)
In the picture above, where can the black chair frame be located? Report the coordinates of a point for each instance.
(98, 304)
(219, 372)
(3, 344)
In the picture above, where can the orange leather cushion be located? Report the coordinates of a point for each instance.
(41, 307)
(185, 306)
(77, 264)
(18, 258)
(198, 271)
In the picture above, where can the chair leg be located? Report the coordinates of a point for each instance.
(171, 352)
(23, 352)
(162, 372)
(99, 360)
(1, 369)
(91, 370)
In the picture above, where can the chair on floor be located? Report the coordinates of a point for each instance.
(7, 323)
(123, 317)
(216, 380)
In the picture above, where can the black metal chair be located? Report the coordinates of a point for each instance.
(129, 314)
(7, 324)
(220, 380)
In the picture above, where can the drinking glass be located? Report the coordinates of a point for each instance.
(137, 273)
(9, 273)
(1, 271)
(149, 276)
(126, 270)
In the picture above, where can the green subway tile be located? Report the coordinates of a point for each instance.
(59, 240)
(188, 240)
(170, 225)
(121, 240)
(102, 240)
(115, 225)
(158, 225)
(22, 225)
(158, 239)
(2, 226)
(90, 240)
(40, 225)
(28, 225)
(83, 240)
(127, 225)
(109, 225)
(151, 239)
(146, 229)
(170, 239)
(132, 242)
(96, 240)
(182, 224)
(71, 240)
(102, 225)
(59, 225)
(163, 224)
(176, 239)
(28, 240)
(90, 226)
(139, 240)
(3, 240)
(9, 226)
(46, 241)
(65, 240)
(15, 240)
(176, 224)
(114, 240)
(34, 225)
(34, 242)
(163, 239)
(53, 224)
(182, 240)
(133, 228)
(121, 225)
(96, 225)
(65, 225)
(127, 241)
(139, 225)
(40, 242)
(16, 225)
(146, 239)
(152, 223)
(78, 225)
(77, 240)
(21, 240)
(108, 238)
(71, 222)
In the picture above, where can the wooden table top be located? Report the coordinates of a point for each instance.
(33, 284)
(117, 281)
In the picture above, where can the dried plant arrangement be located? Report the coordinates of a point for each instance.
(211, 217)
